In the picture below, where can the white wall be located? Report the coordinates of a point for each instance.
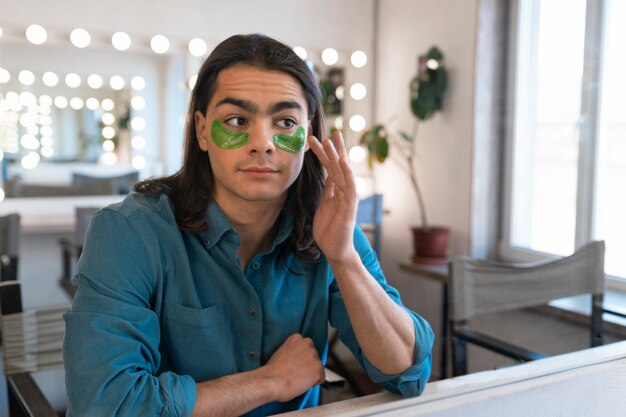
(408, 28)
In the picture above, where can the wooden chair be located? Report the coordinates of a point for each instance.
(32, 341)
(71, 249)
(9, 246)
(478, 288)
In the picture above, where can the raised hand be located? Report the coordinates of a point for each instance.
(333, 224)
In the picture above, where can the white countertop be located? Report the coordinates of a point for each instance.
(52, 214)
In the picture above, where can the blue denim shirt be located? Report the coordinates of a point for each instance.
(158, 309)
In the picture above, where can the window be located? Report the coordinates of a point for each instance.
(566, 143)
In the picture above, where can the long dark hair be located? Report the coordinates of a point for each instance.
(190, 189)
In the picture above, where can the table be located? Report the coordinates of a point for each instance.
(437, 273)
(590, 382)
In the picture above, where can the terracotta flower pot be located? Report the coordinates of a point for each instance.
(430, 244)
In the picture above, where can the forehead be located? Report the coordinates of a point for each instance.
(257, 85)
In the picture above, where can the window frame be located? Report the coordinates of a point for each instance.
(520, 12)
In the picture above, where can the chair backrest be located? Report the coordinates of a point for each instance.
(122, 184)
(9, 246)
(369, 216)
(32, 341)
(479, 287)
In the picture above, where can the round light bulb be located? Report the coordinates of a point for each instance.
(108, 145)
(108, 118)
(138, 103)
(358, 91)
(159, 44)
(80, 38)
(92, 103)
(138, 142)
(197, 47)
(26, 77)
(137, 83)
(138, 162)
(5, 76)
(357, 154)
(121, 41)
(357, 123)
(117, 82)
(301, 52)
(45, 100)
(50, 78)
(138, 123)
(330, 56)
(339, 123)
(192, 81)
(47, 151)
(95, 81)
(107, 104)
(36, 34)
(76, 103)
(108, 158)
(433, 64)
(72, 80)
(60, 102)
(358, 59)
(108, 132)
(30, 160)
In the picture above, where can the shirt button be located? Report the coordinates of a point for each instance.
(252, 313)
(206, 242)
(255, 265)
(252, 355)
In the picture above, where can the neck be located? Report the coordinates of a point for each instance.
(256, 223)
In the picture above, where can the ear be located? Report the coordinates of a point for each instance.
(201, 131)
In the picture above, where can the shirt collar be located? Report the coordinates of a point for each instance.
(218, 226)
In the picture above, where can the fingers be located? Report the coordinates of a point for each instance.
(333, 156)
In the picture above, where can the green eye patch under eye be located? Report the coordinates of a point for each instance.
(294, 143)
(226, 139)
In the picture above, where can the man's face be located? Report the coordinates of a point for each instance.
(261, 104)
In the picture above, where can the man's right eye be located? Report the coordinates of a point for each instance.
(236, 121)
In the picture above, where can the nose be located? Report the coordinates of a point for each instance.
(261, 139)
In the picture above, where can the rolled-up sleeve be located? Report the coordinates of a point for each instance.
(111, 348)
(412, 381)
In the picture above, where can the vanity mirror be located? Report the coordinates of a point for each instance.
(105, 112)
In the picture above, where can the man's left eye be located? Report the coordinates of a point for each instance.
(287, 123)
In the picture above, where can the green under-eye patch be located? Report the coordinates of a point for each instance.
(294, 143)
(226, 139)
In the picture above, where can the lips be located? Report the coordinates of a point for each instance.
(259, 169)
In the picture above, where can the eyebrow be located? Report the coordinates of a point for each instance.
(250, 107)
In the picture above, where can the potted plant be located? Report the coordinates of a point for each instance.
(427, 90)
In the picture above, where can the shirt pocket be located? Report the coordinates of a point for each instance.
(197, 342)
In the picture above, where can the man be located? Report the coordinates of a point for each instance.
(208, 293)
